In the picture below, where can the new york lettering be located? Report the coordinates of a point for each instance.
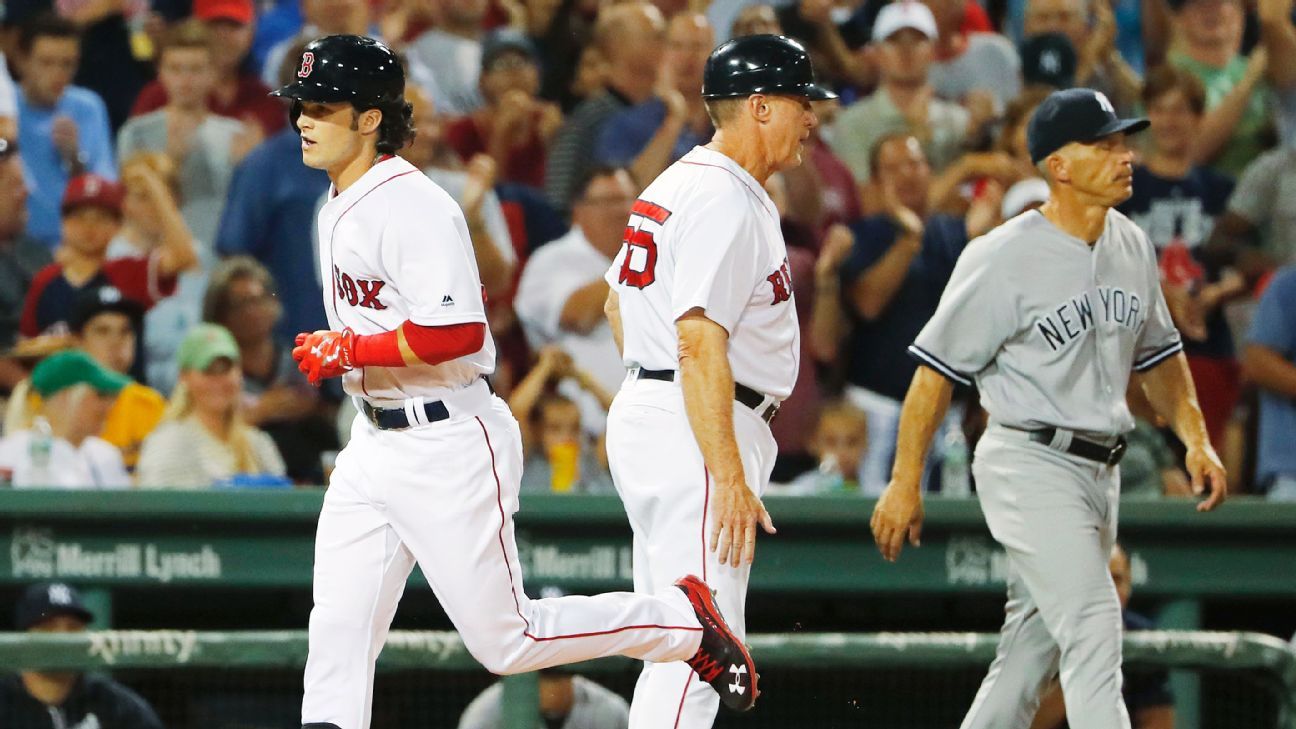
(1070, 320)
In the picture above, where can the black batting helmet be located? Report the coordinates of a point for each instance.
(359, 70)
(350, 68)
(761, 64)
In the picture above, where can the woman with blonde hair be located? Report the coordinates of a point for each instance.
(203, 439)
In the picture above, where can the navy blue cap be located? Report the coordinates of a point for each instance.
(49, 600)
(1048, 59)
(1074, 115)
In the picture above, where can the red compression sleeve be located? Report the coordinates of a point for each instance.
(432, 345)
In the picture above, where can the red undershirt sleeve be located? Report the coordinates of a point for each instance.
(432, 345)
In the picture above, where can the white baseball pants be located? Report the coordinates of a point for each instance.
(660, 475)
(444, 495)
(1056, 516)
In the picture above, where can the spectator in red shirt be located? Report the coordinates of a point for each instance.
(238, 93)
(514, 126)
(91, 217)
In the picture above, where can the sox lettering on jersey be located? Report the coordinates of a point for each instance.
(781, 280)
(362, 292)
(1075, 317)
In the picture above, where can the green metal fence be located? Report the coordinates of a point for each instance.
(251, 680)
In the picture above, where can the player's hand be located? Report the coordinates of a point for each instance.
(324, 354)
(1209, 481)
(899, 513)
(733, 527)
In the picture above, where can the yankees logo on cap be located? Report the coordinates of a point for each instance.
(1074, 115)
(49, 600)
(1048, 59)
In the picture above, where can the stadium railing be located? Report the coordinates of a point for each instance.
(251, 680)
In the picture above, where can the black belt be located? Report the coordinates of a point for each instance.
(398, 419)
(742, 393)
(1110, 455)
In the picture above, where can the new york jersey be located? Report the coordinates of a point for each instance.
(706, 235)
(1049, 326)
(394, 246)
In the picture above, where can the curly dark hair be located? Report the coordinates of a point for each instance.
(397, 126)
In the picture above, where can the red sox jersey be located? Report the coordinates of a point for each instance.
(395, 246)
(705, 234)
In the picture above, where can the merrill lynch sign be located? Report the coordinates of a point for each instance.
(38, 553)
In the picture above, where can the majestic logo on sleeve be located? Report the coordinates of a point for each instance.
(1068, 322)
(781, 280)
(362, 292)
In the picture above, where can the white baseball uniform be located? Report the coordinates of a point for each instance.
(703, 235)
(395, 247)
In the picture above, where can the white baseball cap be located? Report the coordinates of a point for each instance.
(1023, 194)
(902, 14)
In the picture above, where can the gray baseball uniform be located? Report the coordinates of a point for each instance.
(1049, 328)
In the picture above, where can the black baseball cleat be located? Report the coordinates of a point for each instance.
(721, 660)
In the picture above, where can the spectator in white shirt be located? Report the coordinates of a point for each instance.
(56, 446)
(560, 296)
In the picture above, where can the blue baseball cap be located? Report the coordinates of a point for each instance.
(48, 600)
(1074, 115)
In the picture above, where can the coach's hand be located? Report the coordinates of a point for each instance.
(1209, 481)
(733, 527)
(899, 512)
(324, 354)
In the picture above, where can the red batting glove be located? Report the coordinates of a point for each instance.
(323, 354)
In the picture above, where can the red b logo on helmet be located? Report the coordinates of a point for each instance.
(308, 63)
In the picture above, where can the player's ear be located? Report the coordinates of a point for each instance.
(759, 106)
(370, 120)
(1058, 167)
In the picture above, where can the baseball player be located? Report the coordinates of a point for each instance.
(701, 305)
(1047, 315)
(432, 470)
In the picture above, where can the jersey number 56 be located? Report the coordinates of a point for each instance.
(638, 269)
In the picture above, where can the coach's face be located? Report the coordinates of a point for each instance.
(1101, 171)
(785, 124)
(332, 135)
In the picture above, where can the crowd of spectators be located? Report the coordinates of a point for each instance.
(158, 243)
